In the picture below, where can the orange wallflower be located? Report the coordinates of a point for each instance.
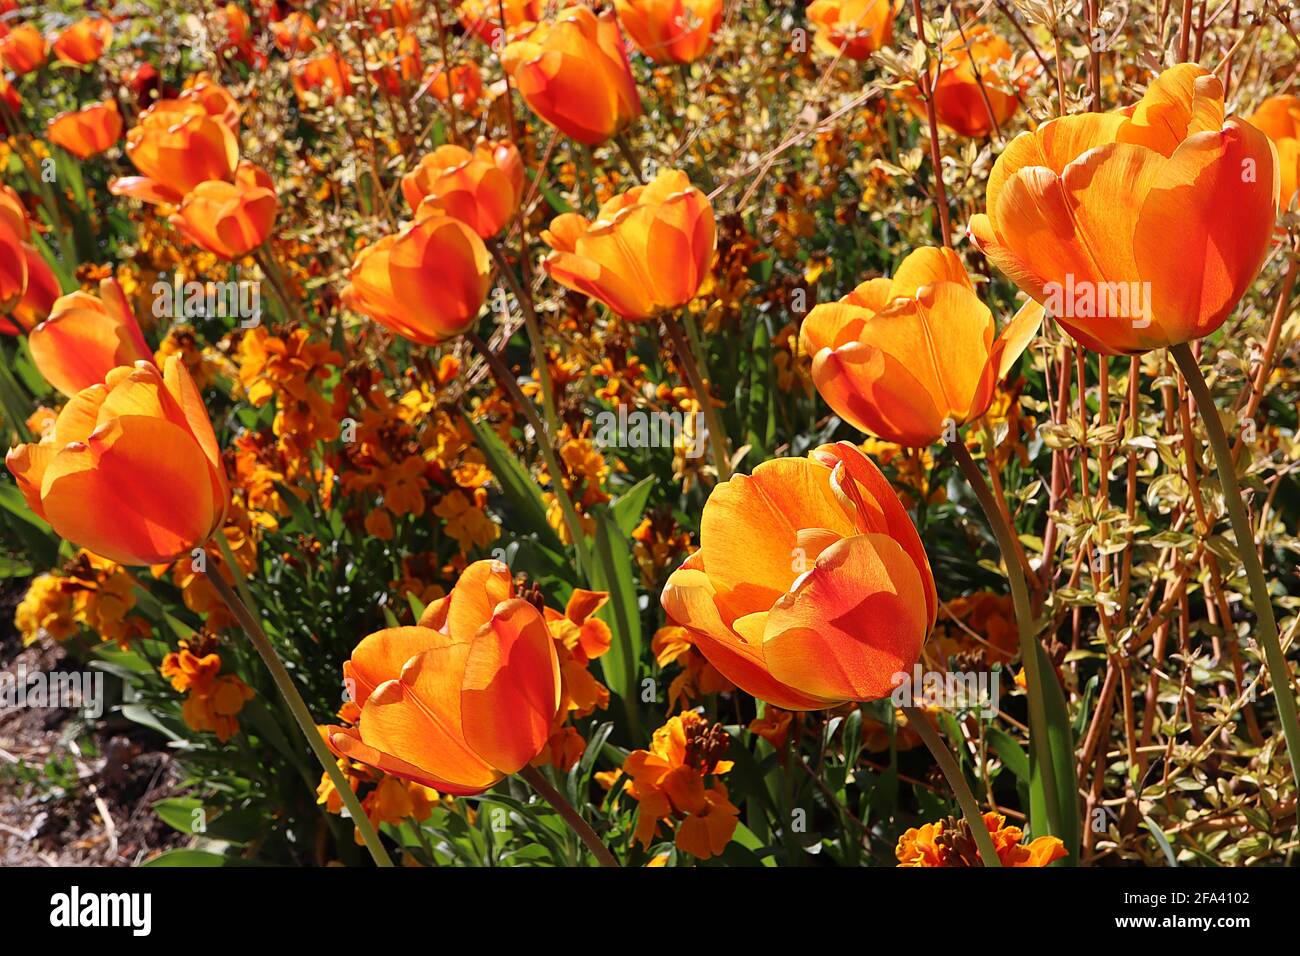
(573, 72)
(670, 782)
(969, 97)
(951, 845)
(131, 470)
(1279, 118)
(213, 699)
(483, 17)
(23, 49)
(648, 251)
(580, 638)
(908, 358)
(177, 144)
(84, 42)
(482, 189)
(89, 131)
(671, 31)
(1081, 212)
(853, 28)
(427, 283)
(86, 337)
(461, 700)
(810, 587)
(230, 219)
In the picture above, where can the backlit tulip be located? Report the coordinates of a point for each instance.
(1279, 118)
(648, 251)
(23, 49)
(229, 219)
(908, 358)
(14, 230)
(89, 131)
(1137, 229)
(41, 291)
(325, 75)
(465, 85)
(573, 72)
(86, 337)
(483, 17)
(296, 33)
(810, 587)
(84, 42)
(482, 188)
(426, 283)
(176, 145)
(131, 470)
(671, 31)
(463, 699)
(852, 28)
(966, 77)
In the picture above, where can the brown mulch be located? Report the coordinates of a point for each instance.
(75, 792)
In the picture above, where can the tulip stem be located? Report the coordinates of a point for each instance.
(629, 156)
(266, 259)
(917, 720)
(285, 685)
(507, 381)
(534, 328)
(1038, 723)
(718, 444)
(533, 777)
(1266, 631)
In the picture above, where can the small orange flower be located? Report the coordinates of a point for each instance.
(88, 131)
(86, 337)
(23, 49)
(1080, 213)
(671, 31)
(461, 700)
(427, 283)
(230, 219)
(84, 42)
(853, 28)
(574, 73)
(649, 250)
(178, 144)
(131, 470)
(482, 189)
(811, 586)
(951, 845)
(1279, 118)
(909, 358)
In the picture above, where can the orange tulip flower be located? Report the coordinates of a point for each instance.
(86, 337)
(89, 131)
(230, 219)
(427, 283)
(23, 49)
(326, 74)
(908, 358)
(84, 42)
(40, 292)
(483, 18)
(573, 72)
(482, 188)
(810, 587)
(465, 85)
(970, 98)
(1083, 214)
(461, 700)
(295, 34)
(671, 31)
(14, 232)
(853, 28)
(648, 251)
(178, 144)
(131, 470)
(1279, 118)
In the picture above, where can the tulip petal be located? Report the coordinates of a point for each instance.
(383, 654)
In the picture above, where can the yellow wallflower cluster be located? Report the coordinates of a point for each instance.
(91, 592)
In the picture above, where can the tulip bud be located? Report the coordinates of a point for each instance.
(671, 31)
(482, 189)
(1278, 117)
(176, 145)
(84, 42)
(853, 28)
(131, 470)
(23, 49)
(89, 131)
(230, 219)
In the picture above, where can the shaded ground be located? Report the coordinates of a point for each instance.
(73, 792)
